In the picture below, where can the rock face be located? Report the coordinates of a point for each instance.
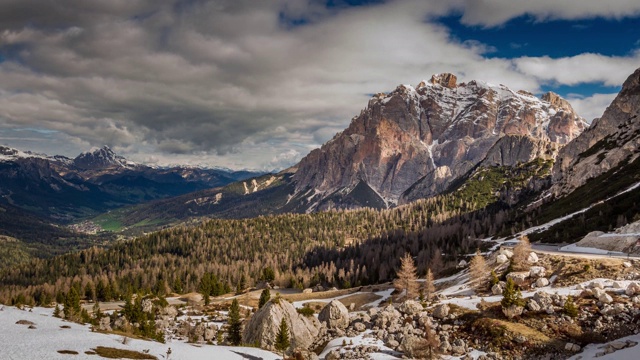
(609, 140)
(335, 315)
(263, 326)
(413, 142)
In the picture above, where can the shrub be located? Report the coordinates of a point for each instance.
(306, 311)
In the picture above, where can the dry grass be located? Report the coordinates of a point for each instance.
(68, 352)
(317, 295)
(576, 270)
(360, 300)
(113, 353)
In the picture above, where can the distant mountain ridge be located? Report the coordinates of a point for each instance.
(409, 144)
(62, 189)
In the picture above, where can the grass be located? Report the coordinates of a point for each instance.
(68, 352)
(113, 353)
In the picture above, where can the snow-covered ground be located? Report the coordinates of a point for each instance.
(18, 342)
(385, 353)
(589, 352)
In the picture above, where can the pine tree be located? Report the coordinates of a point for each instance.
(407, 277)
(235, 326)
(511, 295)
(282, 337)
(478, 270)
(56, 311)
(72, 304)
(570, 307)
(265, 296)
(428, 287)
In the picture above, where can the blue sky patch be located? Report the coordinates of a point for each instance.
(523, 36)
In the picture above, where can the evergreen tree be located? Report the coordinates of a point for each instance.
(235, 325)
(570, 307)
(282, 337)
(265, 296)
(407, 277)
(511, 295)
(72, 304)
(56, 311)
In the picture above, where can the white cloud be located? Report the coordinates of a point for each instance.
(593, 106)
(583, 68)
(496, 12)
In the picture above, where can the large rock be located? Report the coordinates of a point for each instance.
(501, 259)
(263, 326)
(542, 282)
(519, 278)
(335, 315)
(537, 271)
(532, 258)
(512, 311)
(441, 311)
(632, 289)
(411, 307)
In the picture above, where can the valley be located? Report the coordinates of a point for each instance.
(331, 237)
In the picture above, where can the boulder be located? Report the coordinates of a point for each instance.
(410, 307)
(506, 252)
(497, 289)
(307, 291)
(441, 311)
(632, 289)
(626, 264)
(512, 311)
(263, 326)
(333, 355)
(605, 298)
(519, 278)
(335, 315)
(532, 305)
(542, 282)
(572, 347)
(533, 258)
(501, 259)
(537, 271)
(462, 263)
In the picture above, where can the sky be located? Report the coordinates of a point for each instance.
(248, 84)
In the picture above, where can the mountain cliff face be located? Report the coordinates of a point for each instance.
(413, 142)
(607, 143)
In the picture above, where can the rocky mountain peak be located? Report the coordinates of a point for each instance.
(447, 80)
(100, 158)
(557, 101)
(430, 135)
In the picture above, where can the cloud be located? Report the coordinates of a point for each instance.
(241, 83)
(583, 68)
(591, 107)
(491, 13)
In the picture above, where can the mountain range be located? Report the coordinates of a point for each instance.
(412, 143)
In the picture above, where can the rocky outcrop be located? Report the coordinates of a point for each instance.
(413, 142)
(335, 315)
(263, 326)
(610, 140)
(519, 149)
